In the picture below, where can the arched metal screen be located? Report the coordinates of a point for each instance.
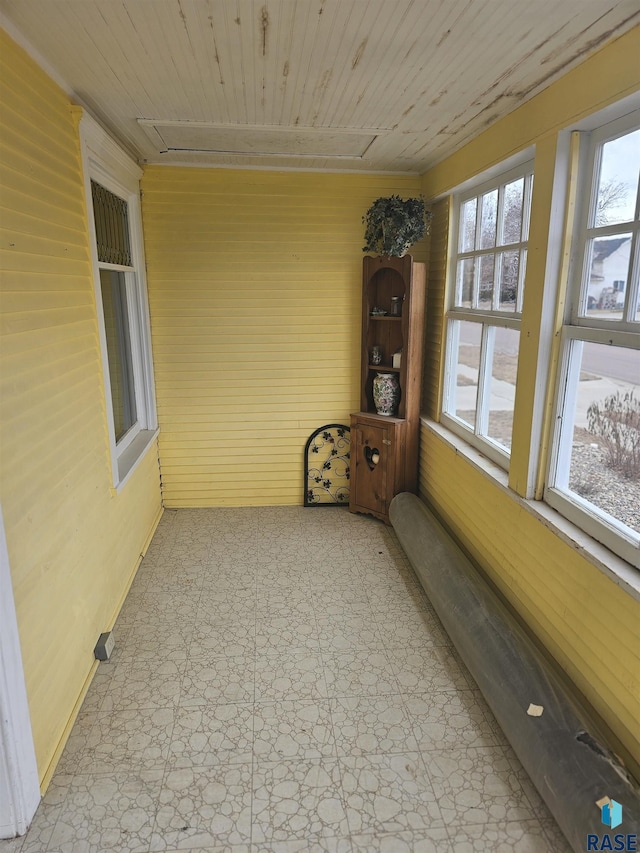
(327, 466)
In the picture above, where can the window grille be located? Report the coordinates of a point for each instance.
(111, 216)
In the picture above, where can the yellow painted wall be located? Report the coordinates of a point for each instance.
(255, 291)
(590, 626)
(73, 543)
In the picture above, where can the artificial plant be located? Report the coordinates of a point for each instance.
(394, 224)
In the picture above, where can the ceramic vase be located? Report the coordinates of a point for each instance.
(386, 393)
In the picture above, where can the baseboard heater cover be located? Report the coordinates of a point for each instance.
(571, 767)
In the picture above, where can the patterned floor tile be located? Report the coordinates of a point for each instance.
(219, 848)
(219, 639)
(177, 582)
(525, 836)
(365, 725)
(398, 598)
(77, 740)
(190, 553)
(204, 807)
(311, 844)
(296, 800)
(427, 670)
(217, 681)
(405, 629)
(359, 673)
(238, 539)
(107, 813)
(39, 834)
(420, 841)
(225, 606)
(342, 574)
(127, 741)
(348, 633)
(164, 608)
(328, 551)
(378, 568)
(286, 673)
(283, 602)
(212, 734)
(295, 548)
(283, 569)
(447, 719)
(294, 633)
(350, 600)
(228, 576)
(478, 785)
(290, 676)
(293, 730)
(169, 641)
(135, 685)
(388, 793)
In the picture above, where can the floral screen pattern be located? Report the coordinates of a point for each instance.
(327, 466)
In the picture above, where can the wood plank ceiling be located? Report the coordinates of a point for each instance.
(376, 85)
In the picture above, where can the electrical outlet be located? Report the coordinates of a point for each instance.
(104, 646)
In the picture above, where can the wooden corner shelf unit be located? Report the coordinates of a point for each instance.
(384, 449)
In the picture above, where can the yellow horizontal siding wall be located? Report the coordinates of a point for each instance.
(73, 543)
(586, 621)
(589, 625)
(255, 292)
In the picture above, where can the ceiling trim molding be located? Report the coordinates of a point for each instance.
(240, 168)
(13, 32)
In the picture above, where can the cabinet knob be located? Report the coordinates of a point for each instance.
(386, 441)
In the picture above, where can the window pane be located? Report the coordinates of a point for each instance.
(608, 270)
(467, 371)
(618, 183)
(464, 285)
(510, 276)
(512, 216)
(468, 225)
(489, 217)
(486, 275)
(116, 324)
(502, 392)
(604, 465)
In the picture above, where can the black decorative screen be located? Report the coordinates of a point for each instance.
(327, 466)
(111, 215)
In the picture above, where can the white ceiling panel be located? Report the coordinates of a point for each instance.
(258, 141)
(376, 85)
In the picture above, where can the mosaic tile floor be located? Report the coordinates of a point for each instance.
(281, 683)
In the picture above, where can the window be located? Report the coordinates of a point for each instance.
(483, 320)
(113, 206)
(594, 476)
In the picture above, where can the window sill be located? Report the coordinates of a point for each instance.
(129, 460)
(615, 568)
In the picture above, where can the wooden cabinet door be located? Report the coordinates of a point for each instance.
(374, 475)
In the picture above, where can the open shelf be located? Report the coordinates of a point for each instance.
(393, 439)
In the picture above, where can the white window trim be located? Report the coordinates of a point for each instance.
(489, 319)
(602, 134)
(19, 781)
(105, 162)
(596, 523)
